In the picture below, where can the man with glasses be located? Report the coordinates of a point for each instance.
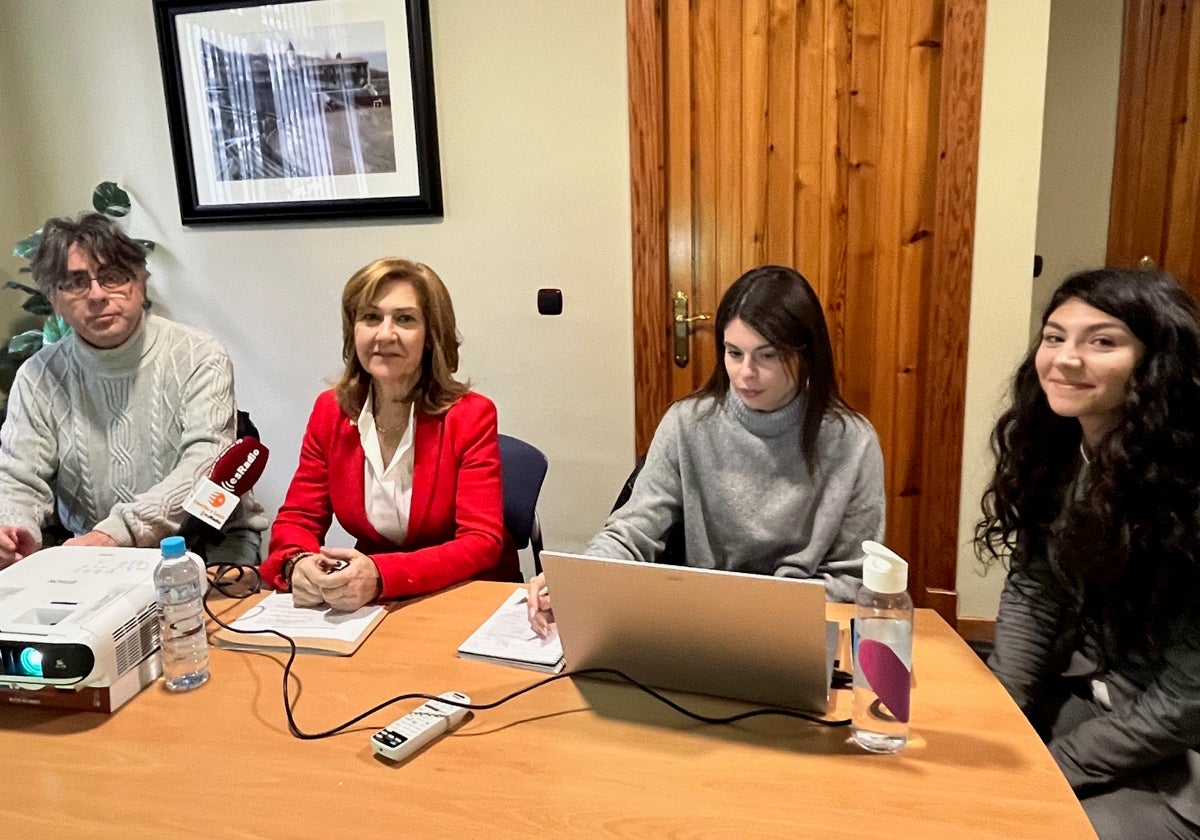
(109, 429)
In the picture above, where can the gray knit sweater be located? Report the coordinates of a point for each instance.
(748, 500)
(114, 440)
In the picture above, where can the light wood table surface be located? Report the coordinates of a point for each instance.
(577, 758)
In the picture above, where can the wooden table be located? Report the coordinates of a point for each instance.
(577, 758)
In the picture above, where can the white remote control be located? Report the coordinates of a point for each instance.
(422, 725)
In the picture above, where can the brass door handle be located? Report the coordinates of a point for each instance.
(1147, 264)
(683, 323)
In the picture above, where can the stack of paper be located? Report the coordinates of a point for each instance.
(314, 629)
(507, 639)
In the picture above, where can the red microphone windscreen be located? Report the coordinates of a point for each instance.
(239, 467)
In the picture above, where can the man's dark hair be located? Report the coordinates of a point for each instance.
(98, 236)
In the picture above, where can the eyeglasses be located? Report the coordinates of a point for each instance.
(79, 282)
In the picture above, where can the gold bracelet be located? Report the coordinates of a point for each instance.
(289, 565)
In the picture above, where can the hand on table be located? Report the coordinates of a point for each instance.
(350, 579)
(93, 538)
(15, 544)
(306, 577)
(538, 602)
(341, 577)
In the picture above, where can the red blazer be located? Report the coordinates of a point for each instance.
(456, 524)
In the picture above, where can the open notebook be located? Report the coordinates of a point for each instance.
(506, 639)
(750, 637)
(314, 629)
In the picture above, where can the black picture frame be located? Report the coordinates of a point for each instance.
(267, 126)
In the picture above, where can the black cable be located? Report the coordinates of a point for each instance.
(296, 731)
(247, 573)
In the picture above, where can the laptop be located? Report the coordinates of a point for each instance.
(748, 637)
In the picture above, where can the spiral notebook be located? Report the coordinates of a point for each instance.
(507, 639)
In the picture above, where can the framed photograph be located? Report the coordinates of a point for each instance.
(300, 109)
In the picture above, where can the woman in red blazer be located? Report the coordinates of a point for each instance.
(404, 455)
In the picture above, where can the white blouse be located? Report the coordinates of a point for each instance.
(387, 489)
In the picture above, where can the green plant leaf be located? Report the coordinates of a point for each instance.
(110, 200)
(25, 344)
(55, 329)
(29, 290)
(146, 243)
(38, 305)
(27, 247)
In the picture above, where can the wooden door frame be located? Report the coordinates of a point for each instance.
(648, 194)
(946, 312)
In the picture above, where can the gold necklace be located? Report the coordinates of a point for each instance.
(398, 428)
(391, 430)
(402, 423)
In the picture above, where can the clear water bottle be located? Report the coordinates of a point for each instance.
(180, 586)
(883, 634)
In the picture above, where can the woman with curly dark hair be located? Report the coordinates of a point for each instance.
(1095, 506)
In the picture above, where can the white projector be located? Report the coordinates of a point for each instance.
(79, 627)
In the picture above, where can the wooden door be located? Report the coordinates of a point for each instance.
(1155, 202)
(840, 139)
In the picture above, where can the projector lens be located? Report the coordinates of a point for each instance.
(47, 661)
(30, 660)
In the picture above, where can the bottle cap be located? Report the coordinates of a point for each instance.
(173, 547)
(884, 570)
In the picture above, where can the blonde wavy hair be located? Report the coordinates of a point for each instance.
(436, 389)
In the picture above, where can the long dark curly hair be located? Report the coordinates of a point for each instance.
(1128, 545)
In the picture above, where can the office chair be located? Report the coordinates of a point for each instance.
(524, 467)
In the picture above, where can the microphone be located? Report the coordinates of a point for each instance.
(214, 498)
(240, 466)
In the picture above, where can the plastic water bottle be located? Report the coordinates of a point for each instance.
(883, 634)
(180, 586)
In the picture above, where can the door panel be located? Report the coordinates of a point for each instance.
(1156, 169)
(811, 134)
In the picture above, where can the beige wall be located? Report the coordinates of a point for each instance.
(531, 100)
(14, 182)
(534, 137)
(1078, 141)
(1014, 76)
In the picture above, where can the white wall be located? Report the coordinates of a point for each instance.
(1014, 77)
(1078, 141)
(531, 102)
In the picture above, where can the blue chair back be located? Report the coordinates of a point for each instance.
(524, 467)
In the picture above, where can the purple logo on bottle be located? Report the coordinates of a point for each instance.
(887, 676)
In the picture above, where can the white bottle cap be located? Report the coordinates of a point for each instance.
(884, 570)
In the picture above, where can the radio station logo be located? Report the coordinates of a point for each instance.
(231, 483)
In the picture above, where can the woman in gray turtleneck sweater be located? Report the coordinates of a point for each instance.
(766, 466)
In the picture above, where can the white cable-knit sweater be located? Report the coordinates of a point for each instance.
(115, 439)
